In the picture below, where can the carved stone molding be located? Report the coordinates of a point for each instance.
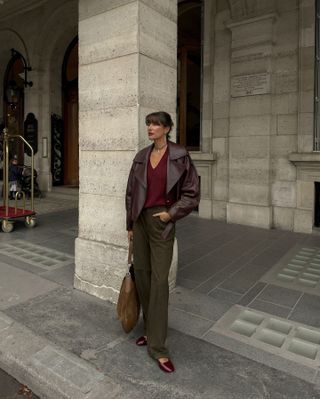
(242, 9)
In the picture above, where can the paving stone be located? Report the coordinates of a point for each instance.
(307, 310)
(190, 284)
(279, 295)
(212, 282)
(244, 279)
(63, 276)
(188, 323)
(17, 286)
(226, 296)
(270, 308)
(198, 304)
(202, 269)
(252, 293)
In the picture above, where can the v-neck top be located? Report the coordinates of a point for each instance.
(157, 183)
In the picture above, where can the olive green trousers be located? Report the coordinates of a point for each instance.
(152, 256)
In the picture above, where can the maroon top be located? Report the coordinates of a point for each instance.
(157, 183)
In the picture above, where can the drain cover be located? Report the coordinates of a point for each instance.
(288, 340)
(299, 269)
(35, 255)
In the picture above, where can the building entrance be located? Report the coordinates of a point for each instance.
(70, 109)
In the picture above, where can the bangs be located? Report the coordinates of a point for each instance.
(153, 118)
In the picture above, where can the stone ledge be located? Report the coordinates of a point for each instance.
(305, 158)
(203, 156)
(246, 19)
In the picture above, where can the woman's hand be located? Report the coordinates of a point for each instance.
(164, 216)
(130, 235)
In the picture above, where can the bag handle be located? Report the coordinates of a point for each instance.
(130, 254)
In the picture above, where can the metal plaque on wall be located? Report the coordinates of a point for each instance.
(56, 150)
(250, 85)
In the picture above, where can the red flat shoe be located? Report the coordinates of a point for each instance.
(142, 341)
(167, 366)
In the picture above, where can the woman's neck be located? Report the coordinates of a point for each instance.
(160, 144)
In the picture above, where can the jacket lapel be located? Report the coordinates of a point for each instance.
(141, 161)
(174, 169)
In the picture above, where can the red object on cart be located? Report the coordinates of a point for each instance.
(14, 212)
(9, 213)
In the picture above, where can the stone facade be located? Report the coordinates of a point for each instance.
(258, 93)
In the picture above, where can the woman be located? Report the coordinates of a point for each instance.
(163, 186)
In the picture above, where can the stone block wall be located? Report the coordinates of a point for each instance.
(268, 50)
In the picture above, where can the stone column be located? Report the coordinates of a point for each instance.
(127, 68)
(250, 121)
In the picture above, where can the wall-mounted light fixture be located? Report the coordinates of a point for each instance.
(27, 68)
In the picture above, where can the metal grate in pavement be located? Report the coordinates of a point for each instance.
(285, 338)
(299, 269)
(35, 255)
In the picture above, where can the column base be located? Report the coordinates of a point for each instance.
(100, 268)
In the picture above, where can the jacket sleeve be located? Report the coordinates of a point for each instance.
(129, 199)
(189, 195)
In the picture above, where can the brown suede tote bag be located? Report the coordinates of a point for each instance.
(128, 306)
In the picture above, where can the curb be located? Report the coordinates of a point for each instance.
(49, 371)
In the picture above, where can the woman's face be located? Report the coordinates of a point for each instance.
(156, 132)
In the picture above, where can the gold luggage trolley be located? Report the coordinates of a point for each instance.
(9, 213)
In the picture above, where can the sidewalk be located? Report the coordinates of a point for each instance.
(63, 343)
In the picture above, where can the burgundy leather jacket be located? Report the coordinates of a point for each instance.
(182, 192)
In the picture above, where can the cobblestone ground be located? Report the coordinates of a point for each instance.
(12, 389)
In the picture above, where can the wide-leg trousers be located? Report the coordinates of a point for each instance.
(152, 256)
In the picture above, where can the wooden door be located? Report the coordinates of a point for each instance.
(70, 115)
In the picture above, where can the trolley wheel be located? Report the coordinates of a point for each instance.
(30, 221)
(7, 226)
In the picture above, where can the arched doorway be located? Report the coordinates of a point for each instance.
(70, 109)
(13, 102)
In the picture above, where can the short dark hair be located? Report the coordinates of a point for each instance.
(160, 118)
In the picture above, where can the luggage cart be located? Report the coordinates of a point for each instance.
(9, 213)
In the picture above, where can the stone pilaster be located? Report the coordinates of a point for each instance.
(127, 57)
(221, 109)
(306, 161)
(250, 121)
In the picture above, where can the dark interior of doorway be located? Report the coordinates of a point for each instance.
(70, 107)
(189, 73)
